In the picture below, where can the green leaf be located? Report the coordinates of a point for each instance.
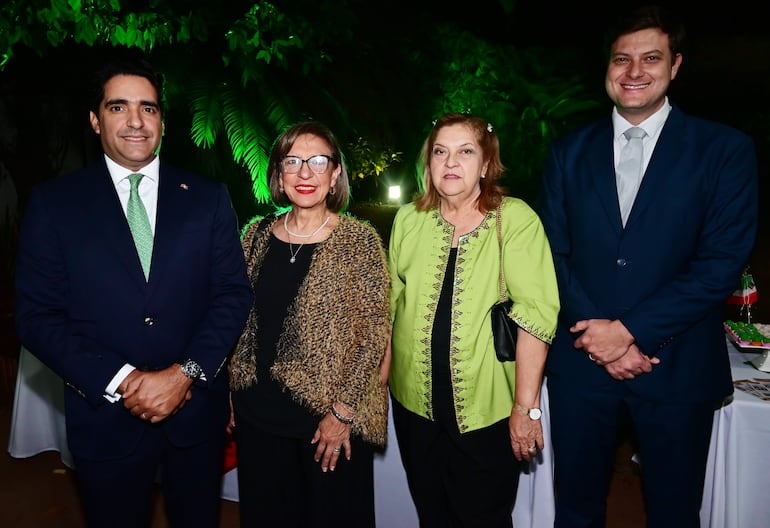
(53, 38)
(207, 113)
(249, 142)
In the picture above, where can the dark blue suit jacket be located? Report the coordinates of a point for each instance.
(84, 308)
(667, 274)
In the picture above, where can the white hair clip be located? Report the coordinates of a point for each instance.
(489, 128)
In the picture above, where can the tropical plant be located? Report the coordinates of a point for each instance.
(241, 71)
(232, 62)
(527, 103)
(368, 162)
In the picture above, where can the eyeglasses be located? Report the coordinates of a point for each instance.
(318, 163)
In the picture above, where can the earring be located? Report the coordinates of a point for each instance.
(332, 190)
(280, 188)
(483, 176)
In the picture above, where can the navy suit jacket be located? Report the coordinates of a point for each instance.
(667, 274)
(84, 308)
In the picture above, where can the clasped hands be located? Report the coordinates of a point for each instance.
(609, 344)
(156, 395)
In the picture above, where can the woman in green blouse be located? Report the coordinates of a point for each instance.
(463, 419)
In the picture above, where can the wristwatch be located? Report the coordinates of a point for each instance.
(192, 370)
(534, 413)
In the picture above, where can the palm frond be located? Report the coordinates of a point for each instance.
(206, 112)
(249, 141)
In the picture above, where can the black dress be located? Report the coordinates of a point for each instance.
(266, 404)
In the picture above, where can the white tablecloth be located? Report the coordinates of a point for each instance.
(735, 494)
(37, 421)
(37, 425)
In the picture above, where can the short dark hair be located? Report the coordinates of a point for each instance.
(649, 17)
(492, 191)
(136, 67)
(335, 202)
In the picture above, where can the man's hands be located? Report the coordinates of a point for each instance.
(631, 364)
(610, 344)
(603, 340)
(154, 396)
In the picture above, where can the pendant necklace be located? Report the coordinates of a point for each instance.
(293, 258)
(293, 253)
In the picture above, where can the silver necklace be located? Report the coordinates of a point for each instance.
(293, 258)
(298, 235)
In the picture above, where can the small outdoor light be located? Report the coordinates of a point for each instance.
(394, 193)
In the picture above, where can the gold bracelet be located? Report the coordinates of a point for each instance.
(338, 416)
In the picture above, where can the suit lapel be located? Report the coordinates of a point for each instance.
(172, 194)
(602, 170)
(108, 218)
(666, 154)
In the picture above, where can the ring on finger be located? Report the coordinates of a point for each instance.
(592, 358)
(337, 450)
(532, 449)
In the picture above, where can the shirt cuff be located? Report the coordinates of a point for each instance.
(110, 393)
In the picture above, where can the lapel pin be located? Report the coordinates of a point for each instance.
(184, 186)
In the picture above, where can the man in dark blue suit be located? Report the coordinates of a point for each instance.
(138, 332)
(642, 279)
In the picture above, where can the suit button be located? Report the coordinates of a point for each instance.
(622, 263)
(149, 321)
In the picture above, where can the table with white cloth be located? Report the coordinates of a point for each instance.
(37, 425)
(735, 494)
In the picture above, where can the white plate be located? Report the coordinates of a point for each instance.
(745, 345)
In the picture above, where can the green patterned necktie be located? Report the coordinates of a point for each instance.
(139, 224)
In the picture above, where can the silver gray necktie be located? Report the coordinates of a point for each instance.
(628, 175)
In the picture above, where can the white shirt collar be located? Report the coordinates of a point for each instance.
(118, 172)
(651, 125)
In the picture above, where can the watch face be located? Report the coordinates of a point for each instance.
(535, 414)
(191, 369)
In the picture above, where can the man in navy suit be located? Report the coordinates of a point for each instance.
(141, 352)
(640, 333)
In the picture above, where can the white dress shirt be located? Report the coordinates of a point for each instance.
(148, 193)
(652, 125)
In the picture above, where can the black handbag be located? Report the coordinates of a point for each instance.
(503, 327)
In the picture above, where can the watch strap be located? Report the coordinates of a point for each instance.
(193, 370)
(528, 412)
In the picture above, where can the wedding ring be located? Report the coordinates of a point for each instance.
(144, 416)
(592, 358)
(337, 449)
(532, 449)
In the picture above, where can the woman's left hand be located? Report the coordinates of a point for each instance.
(526, 435)
(332, 437)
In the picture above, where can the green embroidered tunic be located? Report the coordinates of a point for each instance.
(420, 243)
